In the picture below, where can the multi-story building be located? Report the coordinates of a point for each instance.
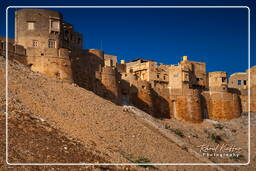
(48, 44)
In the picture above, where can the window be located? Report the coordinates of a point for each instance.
(239, 82)
(164, 77)
(157, 76)
(31, 25)
(111, 63)
(35, 43)
(55, 25)
(244, 82)
(223, 79)
(51, 43)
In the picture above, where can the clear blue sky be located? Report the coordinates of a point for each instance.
(215, 36)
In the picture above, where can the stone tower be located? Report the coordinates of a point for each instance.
(48, 41)
(221, 103)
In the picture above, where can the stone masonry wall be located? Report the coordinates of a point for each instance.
(186, 105)
(222, 105)
(110, 81)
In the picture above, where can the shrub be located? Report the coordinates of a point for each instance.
(133, 159)
(216, 138)
(239, 157)
(178, 132)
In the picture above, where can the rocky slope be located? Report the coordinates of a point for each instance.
(54, 121)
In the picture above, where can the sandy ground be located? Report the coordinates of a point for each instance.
(77, 122)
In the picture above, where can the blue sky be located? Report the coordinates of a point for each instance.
(215, 36)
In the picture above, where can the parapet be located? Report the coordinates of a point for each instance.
(96, 52)
(15, 51)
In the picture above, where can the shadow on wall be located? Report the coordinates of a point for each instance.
(145, 98)
(105, 93)
(86, 70)
(84, 66)
(160, 105)
(204, 107)
(239, 93)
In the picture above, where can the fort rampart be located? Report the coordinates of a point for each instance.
(49, 45)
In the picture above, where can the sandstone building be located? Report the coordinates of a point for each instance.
(49, 45)
(240, 81)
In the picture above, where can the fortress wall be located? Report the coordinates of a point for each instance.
(141, 97)
(86, 65)
(161, 103)
(58, 66)
(245, 101)
(186, 105)
(16, 52)
(243, 95)
(253, 99)
(222, 105)
(109, 80)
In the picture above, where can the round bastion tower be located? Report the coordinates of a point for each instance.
(42, 33)
(221, 103)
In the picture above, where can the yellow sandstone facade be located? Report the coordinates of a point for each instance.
(49, 45)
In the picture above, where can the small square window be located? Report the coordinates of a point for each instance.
(51, 43)
(35, 43)
(245, 82)
(239, 82)
(31, 25)
(55, 25)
